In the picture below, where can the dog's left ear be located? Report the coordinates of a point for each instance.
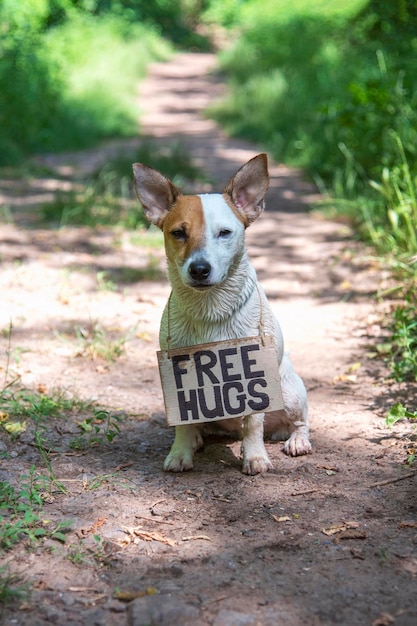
(248, 187)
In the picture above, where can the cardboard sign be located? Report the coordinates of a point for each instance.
(217, 381)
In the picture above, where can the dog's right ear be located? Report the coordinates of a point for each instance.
(248, 187)
(155, 192)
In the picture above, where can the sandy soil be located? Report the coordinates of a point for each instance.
(326, 539)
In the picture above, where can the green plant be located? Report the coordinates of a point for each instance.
(103, 426)
(403, 356)
(20, 404)
(78, 555)
(97, 343)
(41, 445)
(399, 412)
(395, 230)
(20, 512)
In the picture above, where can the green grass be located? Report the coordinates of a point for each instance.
(18, 405)
(21, 505)
(20, 512)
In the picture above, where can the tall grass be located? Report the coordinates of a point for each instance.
(331, 87)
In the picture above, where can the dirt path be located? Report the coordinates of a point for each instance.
(320, 540)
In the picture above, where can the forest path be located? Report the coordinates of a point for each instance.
(320, 540)
(308, 266)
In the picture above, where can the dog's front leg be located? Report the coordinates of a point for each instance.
(255, 457)
(187, 440)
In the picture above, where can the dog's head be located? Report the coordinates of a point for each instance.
(203, 233)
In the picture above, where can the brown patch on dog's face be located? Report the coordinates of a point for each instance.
(184, 228)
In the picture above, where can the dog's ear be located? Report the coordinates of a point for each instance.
(248, 187)
(155, 192)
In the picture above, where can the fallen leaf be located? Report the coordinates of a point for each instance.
(345, 378)
(338, 528)
(284, 518)
(15, 428)
(384, 348)
(148, 535)
(154, 536)
(407, 524)
(97, 524)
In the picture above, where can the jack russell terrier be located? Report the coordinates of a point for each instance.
(216, 296)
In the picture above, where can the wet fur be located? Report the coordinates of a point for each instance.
(215, 296)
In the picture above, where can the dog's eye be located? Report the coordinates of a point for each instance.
(179, 233)
(225, 232)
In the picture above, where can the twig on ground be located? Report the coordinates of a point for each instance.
(392, 480)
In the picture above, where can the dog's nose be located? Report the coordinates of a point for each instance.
(199, 270)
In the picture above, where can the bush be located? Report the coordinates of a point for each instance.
(70, 78)
(330, 91)
(31, 83)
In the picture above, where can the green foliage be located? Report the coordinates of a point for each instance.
(102, 427)
(69, 78)
(391, 222)
(20, 404)
(20, 512)
(404, 342)
(176, 20)
(331, 87)
(397, 413)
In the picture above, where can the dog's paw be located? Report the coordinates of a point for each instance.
(178, 461)
(256, 465)
(297, 445)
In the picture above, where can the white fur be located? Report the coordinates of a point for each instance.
(229, 306)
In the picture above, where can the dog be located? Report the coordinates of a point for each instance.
(216, 296)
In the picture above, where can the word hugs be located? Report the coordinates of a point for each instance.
(217, 381)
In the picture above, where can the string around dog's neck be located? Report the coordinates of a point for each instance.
(261, 318)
